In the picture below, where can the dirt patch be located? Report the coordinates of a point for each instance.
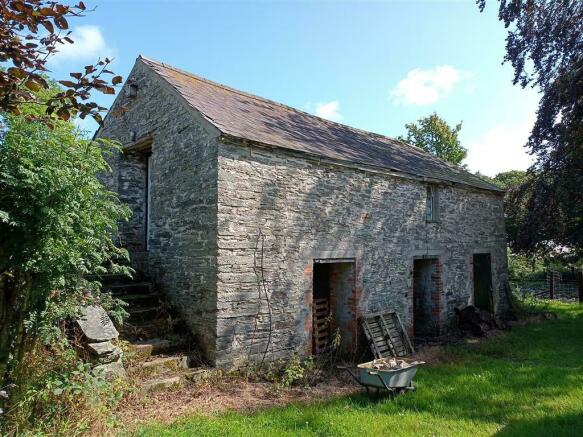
(535, 318)
(223, 394)
(233, 393)
(432, 355)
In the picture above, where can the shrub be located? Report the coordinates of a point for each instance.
(293, 372)
(61, 396)
(56, 221)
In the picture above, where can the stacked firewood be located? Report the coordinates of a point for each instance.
(475, 322)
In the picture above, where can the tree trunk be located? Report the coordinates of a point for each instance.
(21, 337)
(15, 298)
(8, 295)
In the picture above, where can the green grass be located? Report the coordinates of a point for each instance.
(526, 383)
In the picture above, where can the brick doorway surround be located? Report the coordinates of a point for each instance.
(336, 280)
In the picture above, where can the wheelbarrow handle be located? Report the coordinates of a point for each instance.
(351, 374)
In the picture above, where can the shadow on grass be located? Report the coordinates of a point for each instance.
(508, 377)
(529, 382)
(512, 380)
(560, 425)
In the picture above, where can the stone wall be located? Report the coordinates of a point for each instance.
(286, 210)
(235, 229)
(182, 242)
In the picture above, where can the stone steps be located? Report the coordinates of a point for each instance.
(157, 346)
(143, 314)
(111, 278)
(162, 383)
(146, 330)
(133, 288)
(161, 349)
(142, 300)
(157, 365)
(174, 380)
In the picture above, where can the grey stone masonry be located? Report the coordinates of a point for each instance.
(308, 210)
(182, 222)
(234, 228)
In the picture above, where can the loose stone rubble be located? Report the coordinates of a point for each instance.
(99, 333)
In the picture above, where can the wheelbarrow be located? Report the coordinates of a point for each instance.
(379, 375)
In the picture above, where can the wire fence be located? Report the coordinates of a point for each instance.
(564, 286)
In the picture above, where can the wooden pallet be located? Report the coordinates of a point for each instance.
(321, 325)
(386, 335)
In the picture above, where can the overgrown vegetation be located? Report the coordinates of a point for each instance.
(61, 395)
(287, 373)
(525, 267)
(527, 382)
(56, 222)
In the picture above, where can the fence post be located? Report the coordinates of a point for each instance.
(552, 286)
(580, 283)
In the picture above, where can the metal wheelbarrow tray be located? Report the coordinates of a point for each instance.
(394, 380)
(388, 341)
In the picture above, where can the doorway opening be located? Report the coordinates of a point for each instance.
(148, 201)
(427, 303)
(334, 306)
(483, 296)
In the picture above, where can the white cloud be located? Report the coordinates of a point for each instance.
(327, 110)
(89, 45)
(501, 148)
(423, 87)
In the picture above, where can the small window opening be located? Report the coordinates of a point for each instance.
(432, 212)
(132, 91)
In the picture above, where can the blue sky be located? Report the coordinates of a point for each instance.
(372, 65)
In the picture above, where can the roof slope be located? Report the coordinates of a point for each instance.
(253, 118)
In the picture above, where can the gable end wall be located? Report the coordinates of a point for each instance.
(182, 250)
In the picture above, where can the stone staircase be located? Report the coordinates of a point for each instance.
(161, 352)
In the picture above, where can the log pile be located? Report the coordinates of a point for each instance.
(475, 322)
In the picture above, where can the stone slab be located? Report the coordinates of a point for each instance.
(96, 324)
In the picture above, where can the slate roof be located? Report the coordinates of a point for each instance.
(253, 118)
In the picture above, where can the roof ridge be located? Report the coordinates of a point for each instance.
(264, 99)
(418, 152)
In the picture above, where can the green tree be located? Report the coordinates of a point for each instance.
(56, 223)
(510, 180)
(435, 136)
(514, 182)
(545, 47)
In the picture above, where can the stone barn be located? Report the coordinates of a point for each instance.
(258, 221)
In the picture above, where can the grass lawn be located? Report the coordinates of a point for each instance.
(528, 382)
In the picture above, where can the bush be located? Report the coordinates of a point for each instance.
(293, 372)
(522, 267)
(61, 395)
(56, 224)
(532, 267)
